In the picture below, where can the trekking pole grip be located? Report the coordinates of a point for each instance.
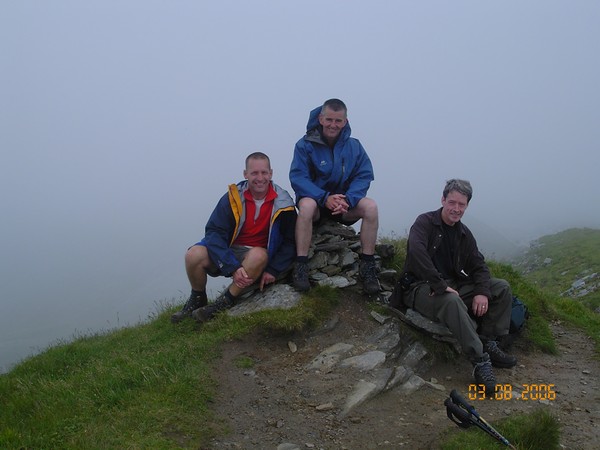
(457, 414)
(459, 400)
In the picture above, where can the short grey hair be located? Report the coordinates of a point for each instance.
(461, 186)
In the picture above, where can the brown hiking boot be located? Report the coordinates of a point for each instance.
(367, 271)
(300, 277)
(191, 304)
(207, 312)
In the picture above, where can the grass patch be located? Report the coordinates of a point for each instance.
(538, 430)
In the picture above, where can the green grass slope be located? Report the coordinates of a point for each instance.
(566, 264)
(564, 269)
(148, 386)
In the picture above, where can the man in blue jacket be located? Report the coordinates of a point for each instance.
(331, 174)
(249, 237)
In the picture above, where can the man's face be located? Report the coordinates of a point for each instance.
(453, 207)
(258, 173)
(332, 122)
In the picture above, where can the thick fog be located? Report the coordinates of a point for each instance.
(122, 122)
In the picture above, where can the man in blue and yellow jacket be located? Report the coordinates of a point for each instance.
(249, 237)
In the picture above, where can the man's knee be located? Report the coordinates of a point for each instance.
(432, 306)
(501, 290)
(450, 309)
(367, 207)
(307, 208)
(196, 255)
(256, 259)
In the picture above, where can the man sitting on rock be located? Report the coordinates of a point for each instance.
(451, 284)
(249, 237)
(330, 174)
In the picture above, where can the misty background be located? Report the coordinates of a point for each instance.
(122, 122)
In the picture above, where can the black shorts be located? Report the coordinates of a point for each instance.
(325, 213)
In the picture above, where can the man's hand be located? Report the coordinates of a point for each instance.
(448, 289)
(479, 305)
(337, 204)
(265, 279)
(453, 291)
(241, 278)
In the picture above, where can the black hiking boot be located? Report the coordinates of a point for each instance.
(497, 356)
(207, 312)
(483, 374)
(191, 304)
(300, 277)
(367, 270)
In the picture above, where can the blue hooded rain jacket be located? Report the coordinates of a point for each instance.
(318, 171)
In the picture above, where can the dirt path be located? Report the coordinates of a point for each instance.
(278, 401)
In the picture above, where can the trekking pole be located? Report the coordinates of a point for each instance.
(463, 414)
(459, 400)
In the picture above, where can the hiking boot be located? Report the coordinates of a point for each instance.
(483, 374)
(191, 304)
(367, 271)
(205, 313)
(300, 277)
(497, 356)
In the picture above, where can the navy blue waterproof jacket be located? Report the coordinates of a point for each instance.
(317, 171)
(227, 220)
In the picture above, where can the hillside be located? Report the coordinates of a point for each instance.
(248, 381)
(566, 264)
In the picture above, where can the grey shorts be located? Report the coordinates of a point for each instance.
(240, 252)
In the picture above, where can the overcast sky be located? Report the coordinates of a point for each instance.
(122, 122)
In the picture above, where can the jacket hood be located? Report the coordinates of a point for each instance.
(313, 122)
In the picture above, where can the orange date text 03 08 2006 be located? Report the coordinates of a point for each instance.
(534, 392)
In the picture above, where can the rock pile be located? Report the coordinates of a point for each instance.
(333, 257)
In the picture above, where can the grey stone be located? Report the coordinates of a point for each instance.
(337, 281)
(277, 296)
(288, 446)
(332, 246)
(334, 258)
(348, 257)
(363, 391)
(436, 386)
(389, 343)
(379, 317)
(329, 357)
(331, 270)
(318, 261)
(413, 355)
(401, 375)
(366, 361)
(427, 324)
(318, 276)
(388, 274)
(412, 384)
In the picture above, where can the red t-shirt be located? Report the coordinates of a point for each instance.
(255, 231)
